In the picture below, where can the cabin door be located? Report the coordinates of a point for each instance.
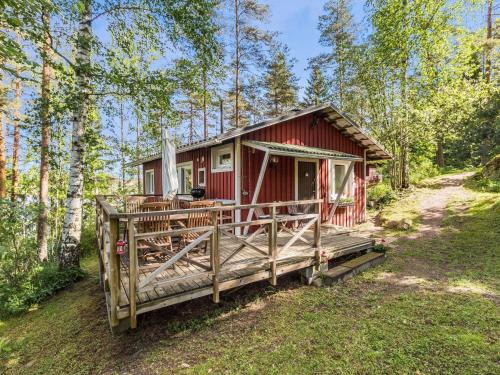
(306, 180)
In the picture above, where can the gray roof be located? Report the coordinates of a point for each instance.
(299, 151)
(374, 151)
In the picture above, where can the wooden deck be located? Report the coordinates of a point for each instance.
(158, 276)
(248, 266)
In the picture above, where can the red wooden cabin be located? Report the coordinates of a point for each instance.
(304, 154)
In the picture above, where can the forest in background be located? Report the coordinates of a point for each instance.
(96, 80)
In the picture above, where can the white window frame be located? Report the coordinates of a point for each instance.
(147, 173)
(204, 183)
(216, 152)
(348, 189)
(187, 164)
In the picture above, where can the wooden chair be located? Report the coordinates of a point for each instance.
(196, 219)
(157, 206)
(154, 246)
(133, 204)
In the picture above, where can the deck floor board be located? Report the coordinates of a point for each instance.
(245, 263)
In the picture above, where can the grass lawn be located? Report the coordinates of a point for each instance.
(432, 307)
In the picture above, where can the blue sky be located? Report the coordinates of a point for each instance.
(297, 23)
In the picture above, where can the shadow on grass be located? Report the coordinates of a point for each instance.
(466, 248)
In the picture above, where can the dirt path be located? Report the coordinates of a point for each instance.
(432, 205)
(434, 202)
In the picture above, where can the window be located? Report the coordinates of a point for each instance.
(149, 181)
(201, 177)
(336, 173)
(185, 177)
(222, 158)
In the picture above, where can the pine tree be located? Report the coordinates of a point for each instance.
(249, 43)
(43, 226)
(317, 88)
(337, 33)
(280, 84)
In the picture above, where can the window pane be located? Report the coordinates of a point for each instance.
(339, 177)
(188, 180)
(225, 159)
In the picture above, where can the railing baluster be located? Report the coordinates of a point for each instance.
(114, 264)
(317, 236)
(132, 256)
(215, 256)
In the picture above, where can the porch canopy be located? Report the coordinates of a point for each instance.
(298, 151)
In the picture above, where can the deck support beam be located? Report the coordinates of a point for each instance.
(237, 181)
(258, 185)
(364, 184)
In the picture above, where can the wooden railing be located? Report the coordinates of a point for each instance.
(110, 224)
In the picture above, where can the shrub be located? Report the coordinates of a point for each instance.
(423, 169)
(380, 195)
(24, 280)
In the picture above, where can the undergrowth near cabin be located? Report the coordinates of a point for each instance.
(24, 279)
(432, 307)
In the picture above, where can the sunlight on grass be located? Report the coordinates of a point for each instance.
(430, 308)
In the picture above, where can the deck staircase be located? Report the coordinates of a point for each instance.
(350, 268)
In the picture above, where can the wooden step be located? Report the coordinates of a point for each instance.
(352, 267)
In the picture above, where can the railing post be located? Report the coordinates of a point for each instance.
(215, 255)
(132, 256)
(114, 265)
(273, 234)
(317, 235)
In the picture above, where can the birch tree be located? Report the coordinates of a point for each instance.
(69, 255)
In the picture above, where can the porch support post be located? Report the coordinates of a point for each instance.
(364, 183)
(342, 186)
(237, 182)
(257, 188)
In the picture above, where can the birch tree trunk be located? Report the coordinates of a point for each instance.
(43, 215)
(15, 141)
(72, 227)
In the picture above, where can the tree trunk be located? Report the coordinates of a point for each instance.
(191, 125)
(43, 225)
(3, 191)
(137, 145)
(440, 152)
(122, 146)
(489, 41)
(205, 113)
(15, 143)
(72, 226)
(237, 65)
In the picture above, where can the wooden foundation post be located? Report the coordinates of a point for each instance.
(114, 265)
(215, 256)
(132, 254)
